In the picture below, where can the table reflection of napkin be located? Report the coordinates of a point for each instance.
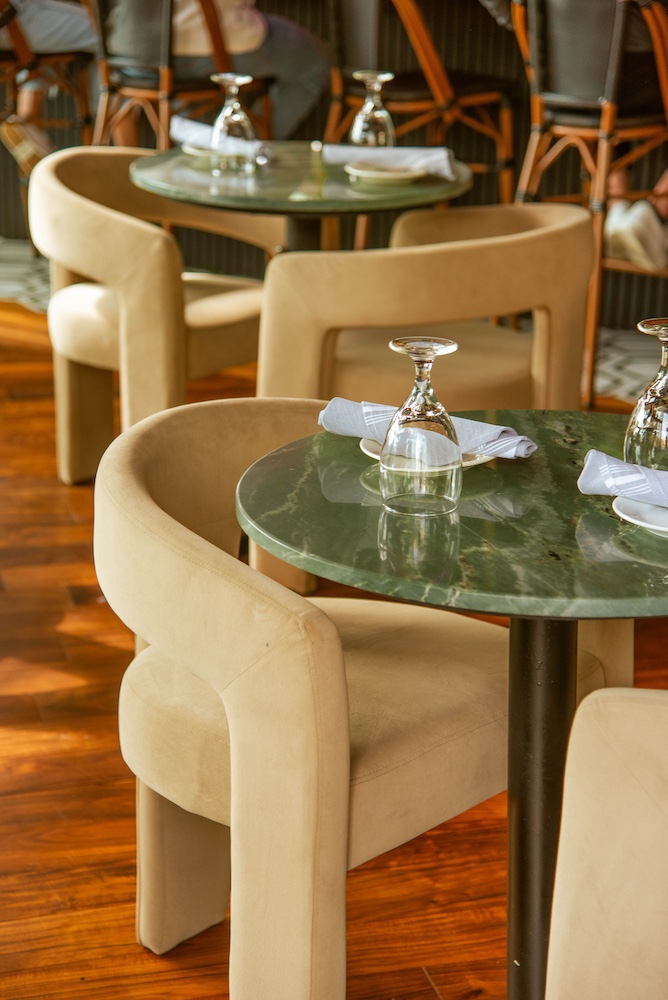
(184, 130)
(612, 477)
(438, 161)
(603, 540)
(371, 420)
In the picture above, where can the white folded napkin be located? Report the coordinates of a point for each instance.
(435, 160)
(612, 477)
(185, 130)
(371, 420)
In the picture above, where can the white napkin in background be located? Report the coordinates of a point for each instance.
(612, 477)
(371, 420)
(435, 160)
(199, 134)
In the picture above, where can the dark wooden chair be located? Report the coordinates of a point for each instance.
(433, 97)
(573, 53)
(143, 79)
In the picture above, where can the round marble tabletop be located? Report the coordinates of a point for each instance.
(525, 541)
(289, 185)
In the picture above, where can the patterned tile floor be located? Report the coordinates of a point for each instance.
(626, 361)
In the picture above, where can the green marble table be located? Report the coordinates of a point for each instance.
(526, 544)
(292, 185)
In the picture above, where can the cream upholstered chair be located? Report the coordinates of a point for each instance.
(328, 317)
(609, 917)
(120, 301)
(315, 734)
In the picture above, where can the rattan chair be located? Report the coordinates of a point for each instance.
(66, 71)
(141, 78)
(434, 98)
(573, 52)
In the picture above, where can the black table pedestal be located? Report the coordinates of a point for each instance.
(543, 680)
(304, 232)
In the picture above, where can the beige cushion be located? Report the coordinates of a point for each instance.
(84, 321)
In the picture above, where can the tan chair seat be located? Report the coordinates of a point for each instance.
(84, 321)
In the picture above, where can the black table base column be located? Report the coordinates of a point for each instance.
(543, 679)
(303, 232)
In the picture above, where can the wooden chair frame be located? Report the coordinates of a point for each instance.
(487, 112)
(595, 145)
(167, 97)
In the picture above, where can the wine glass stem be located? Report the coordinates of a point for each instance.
(423, 371)
(664, 357)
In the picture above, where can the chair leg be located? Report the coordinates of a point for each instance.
(505, 155)
(84, 418)
(529, 178)
(183, 872)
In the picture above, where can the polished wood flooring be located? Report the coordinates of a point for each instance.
(425, 921)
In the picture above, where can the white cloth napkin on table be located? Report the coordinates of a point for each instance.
(612, 477)
(435, 160)
(371, 420)
(199, 134)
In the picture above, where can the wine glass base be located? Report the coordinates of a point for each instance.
(420, 504)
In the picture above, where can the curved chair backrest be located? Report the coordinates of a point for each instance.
(95, 181)
(609, 917)
(142, 499)
(94, 225)
(480, 262)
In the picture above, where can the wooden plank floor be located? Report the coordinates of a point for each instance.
(425, 921)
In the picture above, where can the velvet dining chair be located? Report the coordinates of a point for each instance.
(328, 316)
(121, 300)
(279, 741)
(609, 919)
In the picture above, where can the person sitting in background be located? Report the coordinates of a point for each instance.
(49, 26)
(636, 231)
(258, 45)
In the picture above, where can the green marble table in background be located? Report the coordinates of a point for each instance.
(526, 544)
(289, 185)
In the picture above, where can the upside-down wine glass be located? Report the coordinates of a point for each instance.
(233, 124)
(372, 125)
(420, 460)
(646, 439)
